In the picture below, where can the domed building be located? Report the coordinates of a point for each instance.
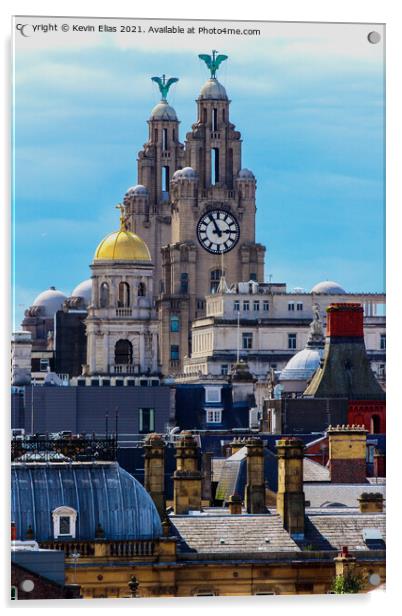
(328, 287)
(80, 501)
(121, 325)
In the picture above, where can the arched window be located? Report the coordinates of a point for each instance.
(375, 424)
(184, 282)
(104, 295)
(215, 279)
(64, 522)
(214, 166)
(164, 139)
(123, 352)
(141, 289)
(124, 295)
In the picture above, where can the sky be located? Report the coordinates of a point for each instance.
(308, 100)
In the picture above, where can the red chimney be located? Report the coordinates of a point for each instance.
(345, 320)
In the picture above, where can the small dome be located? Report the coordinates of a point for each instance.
(122, 246)
(302, 365)
(177, 174)
(246, 174)
(328, 286)
(188, 173)
(51, 301)
(214, 90)
(84, 290)
(139, 189)
(163, 111)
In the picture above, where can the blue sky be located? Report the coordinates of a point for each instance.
(308, 100)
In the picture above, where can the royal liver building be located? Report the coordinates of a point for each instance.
(194, 206)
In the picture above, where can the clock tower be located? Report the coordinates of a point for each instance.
(213, 208)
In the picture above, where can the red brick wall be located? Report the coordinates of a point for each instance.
(362, 412)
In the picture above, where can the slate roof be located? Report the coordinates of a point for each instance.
(334, 531)
(313, 471)
(248, 534)
(240, 533)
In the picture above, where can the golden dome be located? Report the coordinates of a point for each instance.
(122, 245)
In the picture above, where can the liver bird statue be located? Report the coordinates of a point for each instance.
(164, 84)
(213, 61)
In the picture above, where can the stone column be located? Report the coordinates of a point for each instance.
(290, 495)
(154, 470)
(186, 478)
(255, 488)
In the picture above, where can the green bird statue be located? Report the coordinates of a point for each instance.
(164, 85)
(213, 61)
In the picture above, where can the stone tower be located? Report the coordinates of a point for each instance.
(147, 205)
(213, 209)
(121, 326)
(290, 496)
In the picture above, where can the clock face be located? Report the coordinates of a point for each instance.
(218, 231)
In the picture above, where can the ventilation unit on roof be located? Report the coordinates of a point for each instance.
(373, 538)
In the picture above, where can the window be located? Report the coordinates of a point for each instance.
(291, 306)
(265, 306)
(291, 341)
(43, 365)
(214, 166)
(247, 340)
(147, 420)
(214, 415)
(383, 342)
(246, 306)
(64, 522)
(236, 305)
(141, 289)
(224, 369)
(256, 306)
(119, 382)
(105, 382)
(253, 276)
(123, 352)
(299, 306)
(212, 394)
(164, 139)
(200, 304)
(104, 295)
(174, 352)
(215, 278)
(165, 179)
(124, 295)
(94, 382)
(130, 383)
(174, 323)
(184, 282)
(14, 593)
(214, 119)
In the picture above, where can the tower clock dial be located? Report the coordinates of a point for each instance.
(218, 231)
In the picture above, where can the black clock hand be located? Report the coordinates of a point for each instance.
(217, 230)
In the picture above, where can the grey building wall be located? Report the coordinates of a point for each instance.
(84, 409)
(47, 563)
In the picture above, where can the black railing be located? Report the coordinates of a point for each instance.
(42, 448)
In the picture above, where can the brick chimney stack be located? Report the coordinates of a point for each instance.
(154, 470)
(187, 478)
(255, 487)
(290, 496)
(347, 454)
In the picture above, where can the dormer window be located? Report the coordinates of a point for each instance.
(64, 523)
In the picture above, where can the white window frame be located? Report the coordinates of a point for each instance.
(292, 337)
(236, 305)
(299, 306)
(256, 306)
(214, 415)
(246, 306)
(213, 393)
(291, 306)
(265, 306)
(64, 512)
(224, 369)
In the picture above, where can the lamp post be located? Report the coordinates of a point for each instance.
(133, 586)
